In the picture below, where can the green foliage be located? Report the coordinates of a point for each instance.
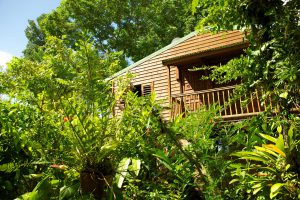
(271, 62)
(271, 169)
(60, 131)
(30, 141)
(196, 138)
(61, 71)
(137, 28)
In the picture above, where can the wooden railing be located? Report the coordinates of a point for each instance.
(227, 104)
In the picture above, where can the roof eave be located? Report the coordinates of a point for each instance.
(203, 53)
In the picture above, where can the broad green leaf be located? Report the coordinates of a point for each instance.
(280, 142)
(233, 181)
(54, 182)
(245, 153)
(25, 196)
(12, 112)
(283, 95)
(264, 127)
(136, 166)
(275, 149)
(235, 165)
(265, 150)
(35, 175)
(167, 165)
(258, 156)
(41, 183)
(67, 192)
(122, 171)
(160, 154)
(257, 190)
(287, 167)
(279, 129)
(266, 155)
(269, 169)
(254, 158)
(8, 167)
(275, 189)
(34, 195)
(256, 185)
(270, 138)
(290, 134)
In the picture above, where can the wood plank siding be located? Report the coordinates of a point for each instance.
(153, 70)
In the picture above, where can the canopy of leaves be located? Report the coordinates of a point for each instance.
(135, 27)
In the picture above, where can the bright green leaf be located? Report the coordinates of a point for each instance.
(257, 190)
(275, 189)
(283, 95)
(270, 138)
(279, 129)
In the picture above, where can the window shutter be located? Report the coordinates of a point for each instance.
(147, 89)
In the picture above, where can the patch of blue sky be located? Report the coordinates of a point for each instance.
(14, 16)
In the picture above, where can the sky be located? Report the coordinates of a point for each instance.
(14, 16)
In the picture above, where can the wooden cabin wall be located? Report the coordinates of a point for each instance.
(154, 71)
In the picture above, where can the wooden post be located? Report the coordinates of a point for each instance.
(169, 88)
(169, 83)
(181, 81)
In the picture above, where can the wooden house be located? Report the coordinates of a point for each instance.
(168, 73)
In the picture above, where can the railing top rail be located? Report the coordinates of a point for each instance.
(205, 91)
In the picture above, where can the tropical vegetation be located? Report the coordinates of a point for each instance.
(60, 137)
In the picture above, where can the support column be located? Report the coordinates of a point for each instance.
(169, 84)
(169, 90)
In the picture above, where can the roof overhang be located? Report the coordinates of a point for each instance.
(199, 55)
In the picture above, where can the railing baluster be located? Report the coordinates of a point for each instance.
(199, 101)
(194, 101)
(180, 105)
(185, 103)
(247, 104)
(265, 103)
(236, 112)
(242, 110)
(189, 108)
(258, 102)
(203, 97)
(224, 102)
(229, 101)
(220, 110)
(208, 96)
(253, 109)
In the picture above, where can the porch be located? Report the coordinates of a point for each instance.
(228, 106)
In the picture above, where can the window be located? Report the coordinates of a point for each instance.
(137, 89)
(143, 89)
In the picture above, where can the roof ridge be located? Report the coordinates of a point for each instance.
(153, 54)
